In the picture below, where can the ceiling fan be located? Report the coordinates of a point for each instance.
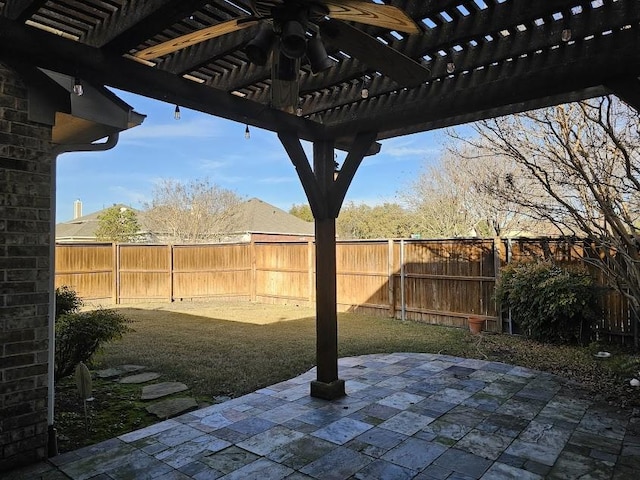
(290, 30)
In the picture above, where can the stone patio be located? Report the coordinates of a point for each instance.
(406, 416)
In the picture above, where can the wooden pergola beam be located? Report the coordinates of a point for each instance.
(338, 189)
(292, 145)
(566, 71)
(627, 90)
(38, 48)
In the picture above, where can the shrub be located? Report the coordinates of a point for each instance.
(551, 303)
(81, 334)
(67, 301)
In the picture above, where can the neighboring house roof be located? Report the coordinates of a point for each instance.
(257, 216)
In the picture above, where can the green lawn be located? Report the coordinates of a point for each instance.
(221, 357)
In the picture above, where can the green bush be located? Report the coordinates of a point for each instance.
(80, 334)
(67, 301)
(551, 303)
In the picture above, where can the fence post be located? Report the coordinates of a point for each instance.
(635, 327)
(390, 281)
(254, 277)
(170, 251)
(497, 263)
(508, 255)
(116, 273)
(402, 282)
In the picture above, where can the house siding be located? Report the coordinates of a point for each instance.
(25, 209)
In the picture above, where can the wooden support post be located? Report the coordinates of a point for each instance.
(326, 194)
(326, 311)
(327, 385)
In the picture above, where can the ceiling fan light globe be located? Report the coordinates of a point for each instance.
(293, 41)
(317, 55)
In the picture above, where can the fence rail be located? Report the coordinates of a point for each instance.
(435, 281)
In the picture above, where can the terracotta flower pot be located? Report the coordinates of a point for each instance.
(475, 324)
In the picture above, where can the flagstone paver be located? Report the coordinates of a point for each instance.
(109, 373)
(140, 377)
(119, 370)
(406, 416)
(171, 407)
(159, 390)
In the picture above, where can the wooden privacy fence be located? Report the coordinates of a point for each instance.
(436, 281)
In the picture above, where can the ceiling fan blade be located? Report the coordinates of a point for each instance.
(362, 11)
(376, 55)
(193, 38)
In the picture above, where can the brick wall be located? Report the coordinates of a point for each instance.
(25, 201)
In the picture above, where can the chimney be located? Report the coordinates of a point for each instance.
(77, 209)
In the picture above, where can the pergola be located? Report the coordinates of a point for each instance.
(467, 60)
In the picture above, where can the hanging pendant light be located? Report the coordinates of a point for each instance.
(77, 87)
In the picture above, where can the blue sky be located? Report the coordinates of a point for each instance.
(201, 146)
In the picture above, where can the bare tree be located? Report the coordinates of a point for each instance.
(450, 198)
(585, 159)
(193, 212)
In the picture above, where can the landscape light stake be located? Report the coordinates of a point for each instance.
(83, 382)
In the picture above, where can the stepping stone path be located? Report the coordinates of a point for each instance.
(172, 407)
(119, 370)
(163, 409)
(159, 390)
(140, 377)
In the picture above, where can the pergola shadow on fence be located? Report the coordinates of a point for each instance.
(436, 281)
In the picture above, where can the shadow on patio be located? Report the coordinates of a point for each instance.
(406, 416)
